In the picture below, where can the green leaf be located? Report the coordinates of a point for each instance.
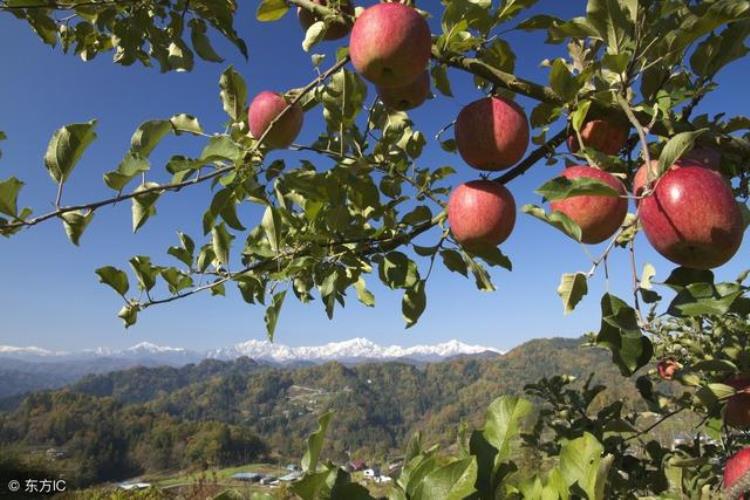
(503, 423)
(315, 443)
(621, 334)
(580, 460)
(148, 135)
(128, 314)
(561, 188)
(179, 56)
(562, 81)
(440, 77)
(221, 242)
(682, 277)
(676, 147)
(66, 147)
(398, 271)
(233, 90)
(578, 117)
(454, 262)
(609, 20)
(144, 205)
(75, 224)
(271, 224)
(698, 299)
(415, 470)
(556, 219)
(272, 313)
(492, 256)
(419, 215)
(573, 287)
(9, 190)
(176, 279)
(145, 272)
(221, 148)
(132, 165)
(115, 278)
(178, 164)
(363, 294)
(312, 486)
(414, 303)
(184, 123)
(201, 43)
(271, 10)
(454, 481)
(716, 51)
(314, 35)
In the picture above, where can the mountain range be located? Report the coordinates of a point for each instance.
(25, 369)
(140, 420)
(356, 349)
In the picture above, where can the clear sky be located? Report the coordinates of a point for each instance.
(50, 297)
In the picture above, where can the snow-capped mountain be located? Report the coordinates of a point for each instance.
(348, 350)
(352, 351)
(28, 351)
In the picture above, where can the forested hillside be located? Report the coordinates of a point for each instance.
(146, 419)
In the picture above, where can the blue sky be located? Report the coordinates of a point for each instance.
(50, 297)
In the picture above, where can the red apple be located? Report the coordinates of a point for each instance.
(390, 44)
(603, 135)
(407, 97)
(481, 214)
(736, 477)
(264, 109)
(492, 133)
(598, 216)
(667, 368)
(692, 217)
(737, 410)
(335, 30)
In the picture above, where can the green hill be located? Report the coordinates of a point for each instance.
(123, 423)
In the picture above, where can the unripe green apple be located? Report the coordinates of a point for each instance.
(492, 133)
(407, 97)
(481, 214)
(598, 216)
(335, 31)
(390, 44)
(264, 109)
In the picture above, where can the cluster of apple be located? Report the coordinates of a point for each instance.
(689, 214)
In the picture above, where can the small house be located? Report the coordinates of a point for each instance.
(134, 486)
(292, 476)
(54, 453)
(356, 465)
(372, 472)
(252, 477)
